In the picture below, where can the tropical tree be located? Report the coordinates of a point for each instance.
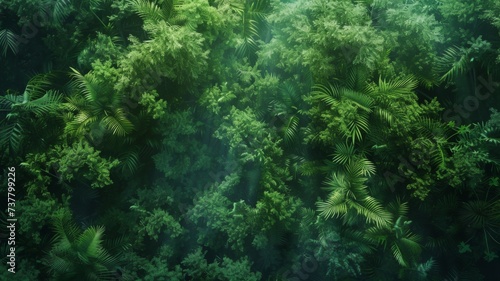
(356, 108)
(78, 255)
(28, 116)
(404, 245)
(349, 195)
(95, 109)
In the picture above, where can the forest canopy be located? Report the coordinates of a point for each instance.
(250, 139)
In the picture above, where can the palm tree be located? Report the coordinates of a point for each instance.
(28, 114)
(95, 109)
(481, 218)
(253, 17)
(348, 192)
(403, 243)
(78, 255)
(365, 105)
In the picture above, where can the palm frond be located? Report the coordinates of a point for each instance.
(385, 115)
(372, 210)
(11, 136)
(8, 41)
(348, 192)
(361, 100)
(45, 104)
(253, 13)
(397, 208)
(344, 153)
(330, 94)
(74, 103)
(84, 84)
(10, 99)
(129, 161)
(259, 9)
(360, 167)
(431, 128)
(66, 231)
(77, 254)
(357, 127)
(479, 214)
(118, 124)
(453, 63)
(149, 11)
(395, 87)
(291, 129)
(89, 243)
(37, 86)
(356, 78)
(406, 250)
(59, 9)
(334, 206)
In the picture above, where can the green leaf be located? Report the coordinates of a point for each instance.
(464, 248)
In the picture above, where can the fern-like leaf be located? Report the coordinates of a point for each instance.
(361, 100)
(373, 211)
(8, 41)
(149, 11)
(11, 135)
(330, 94)
(291, 128)
(344, 153)
(453, 63)
(129, 162)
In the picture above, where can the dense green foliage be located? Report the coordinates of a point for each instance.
(252, 139)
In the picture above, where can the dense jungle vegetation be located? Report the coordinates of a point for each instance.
(251, 139)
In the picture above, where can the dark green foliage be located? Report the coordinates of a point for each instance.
(22, 111)
(251, 139)
(8, 41)
(226, 269)
(72, 163)
(403, 244)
